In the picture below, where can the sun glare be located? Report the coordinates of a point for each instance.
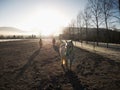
(48, 21)
(51, 21)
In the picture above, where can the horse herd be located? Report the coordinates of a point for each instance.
(66, 52)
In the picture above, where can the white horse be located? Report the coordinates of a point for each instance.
(67, 54)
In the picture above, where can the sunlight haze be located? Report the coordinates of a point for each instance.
(39, 16)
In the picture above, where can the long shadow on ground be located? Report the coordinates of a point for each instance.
(58, 82)
(74, 80)
(30, 61)
(56, 48)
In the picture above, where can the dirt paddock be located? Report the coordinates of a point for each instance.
(24, 66)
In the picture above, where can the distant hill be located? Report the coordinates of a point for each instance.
(10, 31)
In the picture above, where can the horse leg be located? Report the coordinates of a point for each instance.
(70, 64)
(63, 64)
(66, 64)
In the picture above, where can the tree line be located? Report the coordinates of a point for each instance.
(18, 37)
(98, 14)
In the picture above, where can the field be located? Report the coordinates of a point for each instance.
(24, 66)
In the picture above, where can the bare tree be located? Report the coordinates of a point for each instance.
(80, 25)
(87, 18)
(110, 12)
(69, 31)
(96, 15)
(107, 7)
(119, 4)
(72, 29)
(116, 4)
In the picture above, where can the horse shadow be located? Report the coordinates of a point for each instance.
(56, 82)
(74, 80)
(30, 61)
(56, 48)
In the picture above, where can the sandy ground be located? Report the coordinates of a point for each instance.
(23, 66)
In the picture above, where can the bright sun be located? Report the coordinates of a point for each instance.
(49, 21)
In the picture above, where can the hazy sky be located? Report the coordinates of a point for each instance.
(46, 16)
